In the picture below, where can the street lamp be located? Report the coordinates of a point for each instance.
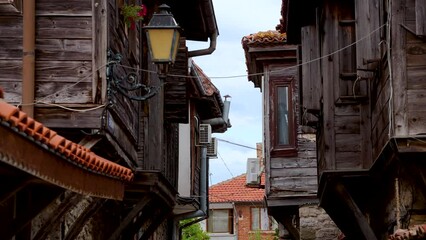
(163, 39)
(163, 42)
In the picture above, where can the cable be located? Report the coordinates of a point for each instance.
(71, 109)
(224, 163)
(262, 73)
(217, 77)
(237, 144)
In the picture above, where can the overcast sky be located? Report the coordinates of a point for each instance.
(235, 19)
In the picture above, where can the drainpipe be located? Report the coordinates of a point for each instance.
(207, 51)
(224, 120)
(28, 60)
(203, 212)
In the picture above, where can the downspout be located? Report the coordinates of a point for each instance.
(203, 212)
(224, 120)
(28, 59)
(207, 51)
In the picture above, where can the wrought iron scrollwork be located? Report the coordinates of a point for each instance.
(116, 84)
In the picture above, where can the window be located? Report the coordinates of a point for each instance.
(261, 221)
(220, 221)
(283, 124)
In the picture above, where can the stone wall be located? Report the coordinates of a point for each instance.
(315, 224)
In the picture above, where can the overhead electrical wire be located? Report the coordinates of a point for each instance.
(214, 77)
(237, 144)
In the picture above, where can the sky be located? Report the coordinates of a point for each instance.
(236, 19)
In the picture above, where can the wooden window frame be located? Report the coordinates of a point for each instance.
(283, 150)
(230, 220)
(259, 211)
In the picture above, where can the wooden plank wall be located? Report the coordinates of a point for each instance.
(367, 52)
(329, 73)
(295, 176)
(63, 52)
(311, 82)
(123, 114)
(343, 130)
(399, 125)
(176, 105)
(11, 57)
(416, 72)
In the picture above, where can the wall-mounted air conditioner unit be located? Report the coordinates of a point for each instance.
(253, 171)
(212, 148)
(205, 134)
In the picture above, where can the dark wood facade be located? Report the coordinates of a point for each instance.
(77, 44)
(363, 66)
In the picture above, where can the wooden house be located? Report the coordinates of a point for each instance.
(289, 148)
(77, 68)
(363, 86)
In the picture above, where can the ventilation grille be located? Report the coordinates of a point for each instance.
(205, 134)
(212, 148)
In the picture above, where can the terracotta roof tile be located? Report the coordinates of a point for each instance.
(76, 153)
(207, 86)
(268, 38)
(235, 190)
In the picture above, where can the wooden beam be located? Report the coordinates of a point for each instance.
(130, 216)
(288, 224)
(81, 221)
(90, 140)
(55, 217)
(155, 223)
(362, 222)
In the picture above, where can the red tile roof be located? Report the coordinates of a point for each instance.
(208, 87)
(235, 190)
(264, 39)
(75, 153)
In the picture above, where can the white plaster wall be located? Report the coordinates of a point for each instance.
(184, 160)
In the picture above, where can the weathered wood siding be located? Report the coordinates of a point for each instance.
(176, 93)
(63, 52)
(311, 81)
(123, 114)
(343, 137)
(416, 68)
(291, 176)
(398, 94)
(295, 176)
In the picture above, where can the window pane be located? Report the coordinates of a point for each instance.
(283, 131)
(218, 221)
(255, 219)
(264, 219)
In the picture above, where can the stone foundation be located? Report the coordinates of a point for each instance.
(315, 224)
